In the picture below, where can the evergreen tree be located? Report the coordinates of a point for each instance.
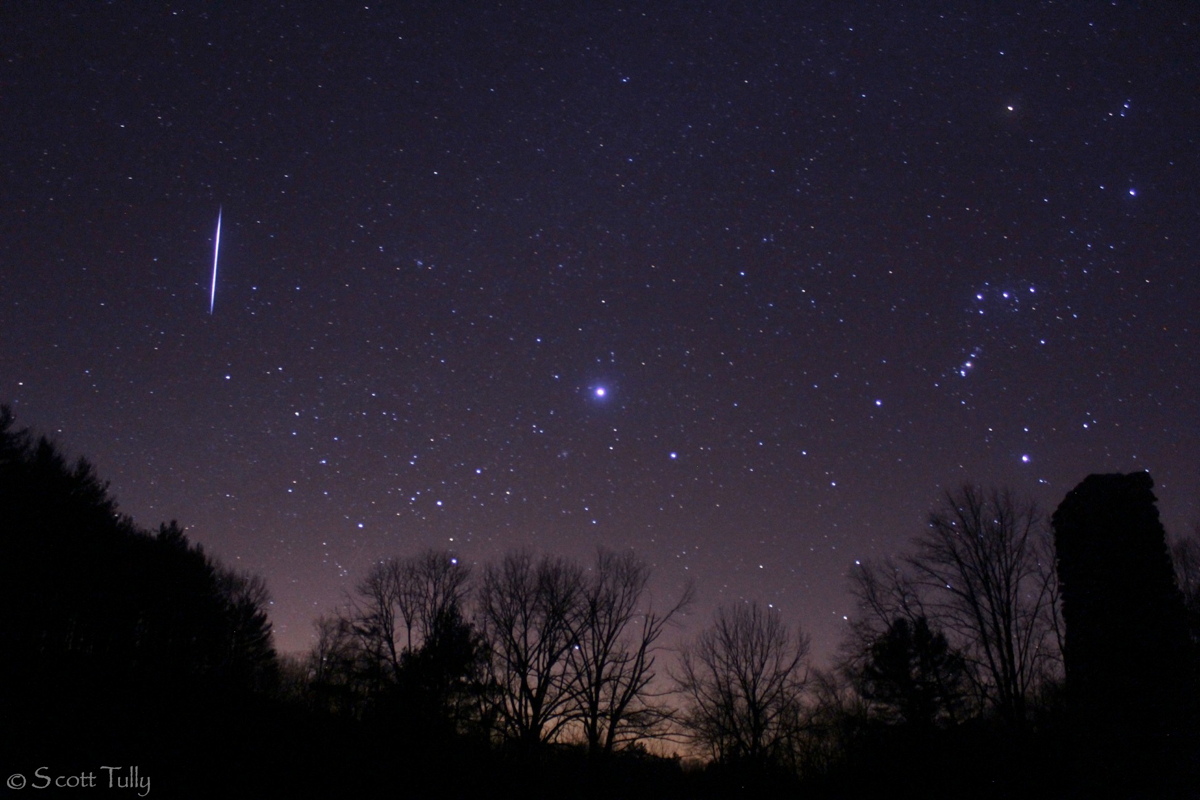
(912, 675)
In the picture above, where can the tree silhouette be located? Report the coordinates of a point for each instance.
(1185, 555)
(403, 609)
(332, 668)
(120, 631)
(911, 675)
(530, 610)
(97, 590)
(442, 684)
(612, 660)
(251, 658)
(984, 577)
(743, 679)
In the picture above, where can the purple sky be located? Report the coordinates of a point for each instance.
(743, 287)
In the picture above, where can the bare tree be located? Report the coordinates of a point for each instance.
(529, 612)
(406, 596)
(743, 679)
(980, 571)
(614, 653)
(428, 586)
(330, 644)
(393, 612)
(835, 721)
(885, 593)
(332, 667)
(371, 617)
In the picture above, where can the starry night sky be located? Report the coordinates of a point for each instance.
(742, 286)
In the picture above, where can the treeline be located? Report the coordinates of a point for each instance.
(958, 672)
(83, 585)
(119, 645)
(1004, 654)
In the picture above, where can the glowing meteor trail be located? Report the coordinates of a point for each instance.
(212, 297)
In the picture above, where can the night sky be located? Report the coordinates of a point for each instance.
(742, 286)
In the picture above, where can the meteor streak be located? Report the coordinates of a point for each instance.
(212, 297)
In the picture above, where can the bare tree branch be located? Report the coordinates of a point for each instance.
(614, 654)
(743, 678)
(984, 579)
(529, 612)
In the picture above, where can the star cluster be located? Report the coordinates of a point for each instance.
(743, 288)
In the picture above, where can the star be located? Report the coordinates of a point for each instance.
(697, 266)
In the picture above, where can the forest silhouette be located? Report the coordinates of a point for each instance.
(1006, 653)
